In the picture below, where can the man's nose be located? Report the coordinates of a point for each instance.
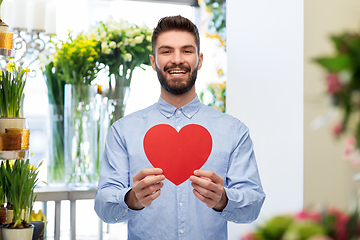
(177, 58)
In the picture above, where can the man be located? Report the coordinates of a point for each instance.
(226, 187)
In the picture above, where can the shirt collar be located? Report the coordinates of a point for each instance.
(189, 110)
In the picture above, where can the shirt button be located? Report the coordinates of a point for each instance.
(116, 219)
(178, 127)
(189, 116)
(180, 204)
(125, 210)
(168, 115)
(181, 231)
(235, 221)
(179, 111)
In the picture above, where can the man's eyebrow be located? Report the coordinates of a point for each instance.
(168, 47)
(188, 46)
(164, 46)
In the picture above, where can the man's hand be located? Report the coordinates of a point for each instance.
(146, 188)
(208, 187)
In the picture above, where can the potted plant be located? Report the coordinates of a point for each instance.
(12, 83)
(20, 179)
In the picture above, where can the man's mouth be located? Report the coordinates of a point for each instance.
(177, 72)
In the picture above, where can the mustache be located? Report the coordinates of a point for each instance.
(181, 66)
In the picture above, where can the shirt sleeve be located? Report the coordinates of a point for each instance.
(242, 185)
(114, 181)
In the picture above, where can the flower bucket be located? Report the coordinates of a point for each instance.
(39, 230)
(17, 234)
(81, 119)
(11, 123)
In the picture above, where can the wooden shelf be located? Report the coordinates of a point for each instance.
(9, 155)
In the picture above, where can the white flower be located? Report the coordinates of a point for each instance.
(132, 42)
(105, 48)
(137, 31)
(148, 38)
(119, 44)
(129, 33)
(112, 45)
(345, 77)
(127, 57)
(139, 39)
(126, 41)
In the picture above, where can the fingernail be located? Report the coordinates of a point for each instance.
(160, 170)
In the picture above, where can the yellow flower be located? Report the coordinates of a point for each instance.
(37, 216)
(10, 66)
(0, 73)
(90, 59)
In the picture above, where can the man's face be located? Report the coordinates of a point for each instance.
(176, 61)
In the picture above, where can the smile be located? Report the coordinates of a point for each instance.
(177, 72)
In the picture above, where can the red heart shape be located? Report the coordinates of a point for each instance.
(178, 154)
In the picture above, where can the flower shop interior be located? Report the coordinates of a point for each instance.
(287, 69)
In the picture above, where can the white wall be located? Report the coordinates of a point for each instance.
(265, 91)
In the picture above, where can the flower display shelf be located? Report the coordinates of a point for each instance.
(8, 155)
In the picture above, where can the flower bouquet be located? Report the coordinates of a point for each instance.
(76, 58)
(122, 46)
(342, 81)
(331, 224)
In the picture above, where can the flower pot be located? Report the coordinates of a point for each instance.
(11, 123)
(17, 234)
(3, 215)
(39, 230)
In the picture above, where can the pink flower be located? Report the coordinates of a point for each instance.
(338, 129)
(249, 236)
(340, 224)
(333, 83)
(351, 152)
(308, 215)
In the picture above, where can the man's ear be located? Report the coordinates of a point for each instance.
(152, 61)
(200, 61)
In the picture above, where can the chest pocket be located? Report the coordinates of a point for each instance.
(218, 162)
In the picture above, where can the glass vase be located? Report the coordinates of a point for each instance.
(81, 119)
(111, 110)
(56, 162)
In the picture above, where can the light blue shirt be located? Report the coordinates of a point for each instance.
(177, 213)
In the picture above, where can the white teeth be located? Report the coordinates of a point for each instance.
(177, 72)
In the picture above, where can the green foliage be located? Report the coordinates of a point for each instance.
(218, 96)
(20, 179)
(218, 9)
(275, 228)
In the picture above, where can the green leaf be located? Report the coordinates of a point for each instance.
(335, 64)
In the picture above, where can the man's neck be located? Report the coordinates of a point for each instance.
(178, 100)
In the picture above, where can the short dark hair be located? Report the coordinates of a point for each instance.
(175, 23)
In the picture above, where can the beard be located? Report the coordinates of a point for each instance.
(176, 85)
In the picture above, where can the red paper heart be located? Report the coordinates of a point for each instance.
(178, 154)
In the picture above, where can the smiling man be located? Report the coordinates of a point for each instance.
(138, 181)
